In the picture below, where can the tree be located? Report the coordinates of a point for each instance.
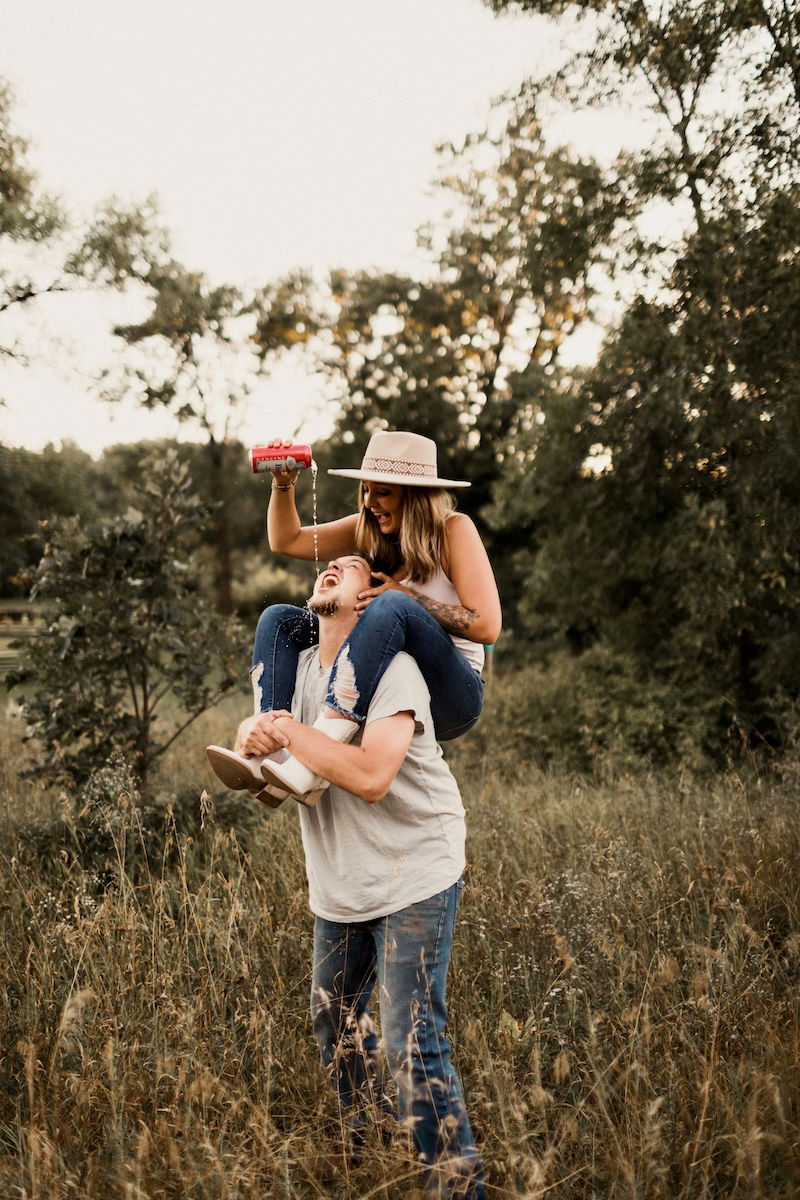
(511, 280)
(720, 80)
(57, 482)
(660, 496)
(656, 491)
(196, 353)
(41, 253)
(28, 218)
(126, 629)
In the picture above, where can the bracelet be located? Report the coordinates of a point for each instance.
(283, 487)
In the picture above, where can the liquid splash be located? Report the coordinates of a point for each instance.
(314, 469)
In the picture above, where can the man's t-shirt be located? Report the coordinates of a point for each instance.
(368, 860)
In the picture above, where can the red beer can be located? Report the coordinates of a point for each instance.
(280, 458)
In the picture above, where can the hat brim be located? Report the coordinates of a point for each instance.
(405, 480)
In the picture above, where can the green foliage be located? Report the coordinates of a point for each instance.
(49, 255)
(660, 496)
(25, 214)
(718, 79)
(198, 353)
(656, 492)
(123, 243)
(510, 282)
(594, 713)
(35, 487)
(127, 629)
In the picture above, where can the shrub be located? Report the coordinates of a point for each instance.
(593, 712)
(128, 635)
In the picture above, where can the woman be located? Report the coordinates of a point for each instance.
(435, 597)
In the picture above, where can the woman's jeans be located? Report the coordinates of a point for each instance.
(392, 622)
(407, 954)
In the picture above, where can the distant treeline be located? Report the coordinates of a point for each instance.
(641, 511)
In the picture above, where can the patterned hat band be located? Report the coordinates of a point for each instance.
(394, 466)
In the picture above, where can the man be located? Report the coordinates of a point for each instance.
(384, 848)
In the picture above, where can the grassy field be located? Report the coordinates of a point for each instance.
(624, 997)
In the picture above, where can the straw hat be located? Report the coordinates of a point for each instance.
(400, 457)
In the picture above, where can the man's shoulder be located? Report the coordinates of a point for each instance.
(404, 668)
(401, 688)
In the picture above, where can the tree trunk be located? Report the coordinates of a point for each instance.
(220, 525)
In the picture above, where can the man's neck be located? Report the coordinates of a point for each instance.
(332, 632)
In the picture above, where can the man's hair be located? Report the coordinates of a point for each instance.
(368, 559)
(421, 542)
(327, 608)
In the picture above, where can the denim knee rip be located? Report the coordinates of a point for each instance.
(343, 684)
(255, 679)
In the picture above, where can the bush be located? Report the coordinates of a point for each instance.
(128, 635)
(593, 712)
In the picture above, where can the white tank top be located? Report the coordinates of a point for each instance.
(440, 588)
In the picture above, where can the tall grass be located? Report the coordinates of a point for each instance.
(624, 995)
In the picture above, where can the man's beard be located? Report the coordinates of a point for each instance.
(322, 608)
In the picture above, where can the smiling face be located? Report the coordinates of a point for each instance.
(385, 502)
(339, 584)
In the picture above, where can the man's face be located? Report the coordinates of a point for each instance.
(339, 585)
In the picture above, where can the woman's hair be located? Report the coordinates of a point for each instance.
(421, 543)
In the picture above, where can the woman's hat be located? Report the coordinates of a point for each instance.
(401, 457)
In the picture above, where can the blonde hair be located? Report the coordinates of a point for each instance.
(421, 543)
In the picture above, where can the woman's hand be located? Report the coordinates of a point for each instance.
(387, 584)
(283, 477)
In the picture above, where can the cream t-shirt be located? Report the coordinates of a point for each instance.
(368, 860)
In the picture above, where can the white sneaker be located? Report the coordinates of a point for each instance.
(238, 773)
(298, 780)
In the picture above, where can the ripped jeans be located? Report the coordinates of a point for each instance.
(392, 622)
(407, 954)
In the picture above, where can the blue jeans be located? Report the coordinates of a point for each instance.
(407, 954)
(392, 622)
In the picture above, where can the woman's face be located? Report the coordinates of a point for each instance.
(385, 502)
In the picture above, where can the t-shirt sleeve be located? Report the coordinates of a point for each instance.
(401, 689)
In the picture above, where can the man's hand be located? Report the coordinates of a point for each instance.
(260, 735)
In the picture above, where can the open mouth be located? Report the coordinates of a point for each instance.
(329, 579)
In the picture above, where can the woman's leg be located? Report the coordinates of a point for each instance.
(282, 632)
(394, 622)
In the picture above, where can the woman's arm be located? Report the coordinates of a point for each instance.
(466, 563)
(286, 535)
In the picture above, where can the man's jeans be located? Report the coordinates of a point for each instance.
(407, 954)
(392, 622)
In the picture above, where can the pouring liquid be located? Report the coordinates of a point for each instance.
(314, 469)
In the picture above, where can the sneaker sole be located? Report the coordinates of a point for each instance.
(235, 774)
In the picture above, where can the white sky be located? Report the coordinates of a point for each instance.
(275, 135)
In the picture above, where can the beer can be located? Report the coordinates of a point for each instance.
(280, 458)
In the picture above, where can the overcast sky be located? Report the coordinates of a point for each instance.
(275, 135)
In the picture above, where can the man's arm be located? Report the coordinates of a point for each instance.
(366, 770)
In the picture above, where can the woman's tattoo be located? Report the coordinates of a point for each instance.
(454, 618)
